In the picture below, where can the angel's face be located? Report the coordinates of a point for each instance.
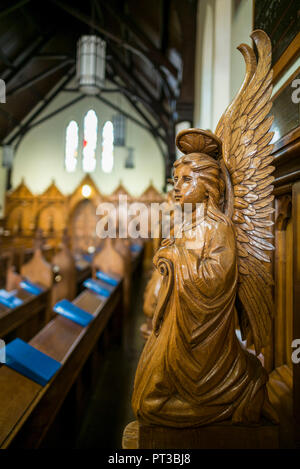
(188, 186)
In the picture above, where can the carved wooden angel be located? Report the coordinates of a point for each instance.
(193, 370)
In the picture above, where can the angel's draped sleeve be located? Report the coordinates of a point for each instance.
(206, 269)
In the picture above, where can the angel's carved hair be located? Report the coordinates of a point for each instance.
(210, 173)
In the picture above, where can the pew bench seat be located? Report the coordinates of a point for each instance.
(27, 409)
(24, 320)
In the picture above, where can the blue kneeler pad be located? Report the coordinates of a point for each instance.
(136, 248)
(91, 284)
(9, 299)
(69, 310)
(107, 278)
(31, 287)
(30, 362)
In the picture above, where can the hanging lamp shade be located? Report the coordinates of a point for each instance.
(91, 64)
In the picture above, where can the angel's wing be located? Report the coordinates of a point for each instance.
(244, 130)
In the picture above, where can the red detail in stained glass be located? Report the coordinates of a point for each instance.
(84, 143)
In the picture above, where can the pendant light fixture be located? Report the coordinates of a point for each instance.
(90, 74)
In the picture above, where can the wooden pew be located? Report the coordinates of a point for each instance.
(27, 319)
(111, 261)
(59, 280)
(28, 410)
(65, 274)
(83, 271)
(37, 269)
(5, 263)
(32, 416)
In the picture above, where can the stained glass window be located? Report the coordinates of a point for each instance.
(107, 161)
(71, 150)
(90, 125)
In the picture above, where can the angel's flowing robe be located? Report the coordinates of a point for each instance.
(193, 370)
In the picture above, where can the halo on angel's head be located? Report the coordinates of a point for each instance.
(199, 141)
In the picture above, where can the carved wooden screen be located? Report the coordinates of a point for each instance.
(280, 19)
(83, 226)
(284, 386)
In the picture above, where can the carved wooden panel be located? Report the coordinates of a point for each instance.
(296, 302)
(151, 195)
(52, 212)
(5, 262)
(20, 210)
(83, 226)
(77, 196)
(51, 219)
(120, 190)
(283, 270)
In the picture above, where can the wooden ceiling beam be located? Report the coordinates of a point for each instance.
(44, 103)
(164, 26)
(23, 60)
(52, 56)
(150, 129)
(121, 111)
(9, 116)
(153, 52)
(131, 79)
(107, 34)
(164, 34)
(187, 15)
(5, 60)
(131, 99)
(158, 68)
(151, 106)
(40, 76)
(154, 130)
(6, 11)
(57, 111)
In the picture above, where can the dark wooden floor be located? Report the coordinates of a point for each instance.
(109, 408)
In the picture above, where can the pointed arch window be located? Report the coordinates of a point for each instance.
(107, 160)
(71, 149)
(90, 126)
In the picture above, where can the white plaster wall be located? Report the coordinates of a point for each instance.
(222, 59)
(221, 26)
(40, 157)
(240, 33)
(204, 64)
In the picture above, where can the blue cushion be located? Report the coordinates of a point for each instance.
(107, 278)
(30, 362)
(73, 312)
(31, 287)
(136, 248)
(96, 287)
(9, 299)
